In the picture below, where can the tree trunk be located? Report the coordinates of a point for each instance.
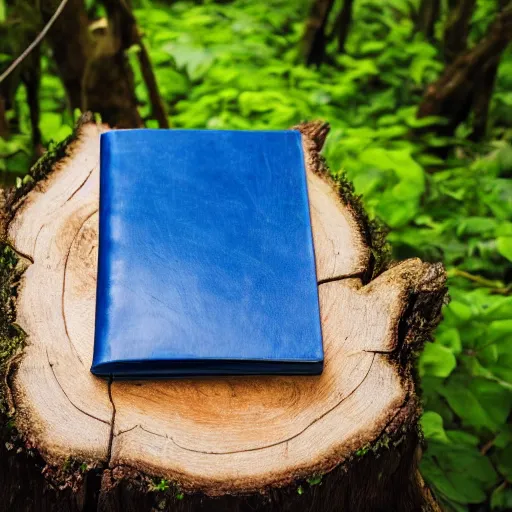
(31, 77)
(108, 79)
(95, 71)
(345, 440)
(482, 99)
(342, 24)
(121, 14)
(314, 39)
(467, 82)
(71, 43)
(457, 28)
(483, 91)
(428, 14)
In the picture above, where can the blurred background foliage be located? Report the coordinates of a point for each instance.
(419, 97)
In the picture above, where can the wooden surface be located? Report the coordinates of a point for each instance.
(214, 435)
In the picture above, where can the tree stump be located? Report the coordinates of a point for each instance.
(345, 440)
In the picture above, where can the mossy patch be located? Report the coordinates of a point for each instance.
(384, 442)
(374, 231)
(11, 337)
(44, 166)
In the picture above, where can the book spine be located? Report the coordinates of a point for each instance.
(101, 348)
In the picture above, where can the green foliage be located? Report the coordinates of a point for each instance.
(473, 401)
(314, 480)
(236, 65)
(159, 485)
(163, 485)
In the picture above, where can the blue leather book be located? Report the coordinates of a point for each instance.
(206, 262)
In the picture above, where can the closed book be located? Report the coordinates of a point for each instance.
(206, 260)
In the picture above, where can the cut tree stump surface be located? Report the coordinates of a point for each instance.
(214, 435)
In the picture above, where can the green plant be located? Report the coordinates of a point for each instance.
(159, 485)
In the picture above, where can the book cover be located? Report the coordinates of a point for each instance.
(206, 261)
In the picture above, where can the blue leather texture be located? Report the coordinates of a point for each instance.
(206, 262)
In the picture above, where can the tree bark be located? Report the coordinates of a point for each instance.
(428, 14)
(345, 440)
(314, 39)
(467, 82)
(482, 99)
(31, 77)
(71, 44)
(343, 23)
(483, 91)
(120, 11)
(95, 71)
(108, 79)
(457, 28)
(26, 485)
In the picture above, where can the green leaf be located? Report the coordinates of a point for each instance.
(476, 226)
(372, 47)
(459, 473)
(196, 60)
(460, 310)
(314, 480)
(501, 309)
(504, 437)
(437, 360)
(50, 125)
(260, 102)
(399, 161)
(450, 338)
(504, 461)
(481, 403)
(504, 245)
(488, 355)
(460, 437)
(432, 426)
(501, 498)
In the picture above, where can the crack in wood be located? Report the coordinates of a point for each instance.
(112, 422)
(341, 277)
(127, 430)
(65, 202)
(37, 238)
(156, 434)
(64, 284)
(81, 185)
(66, 395)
